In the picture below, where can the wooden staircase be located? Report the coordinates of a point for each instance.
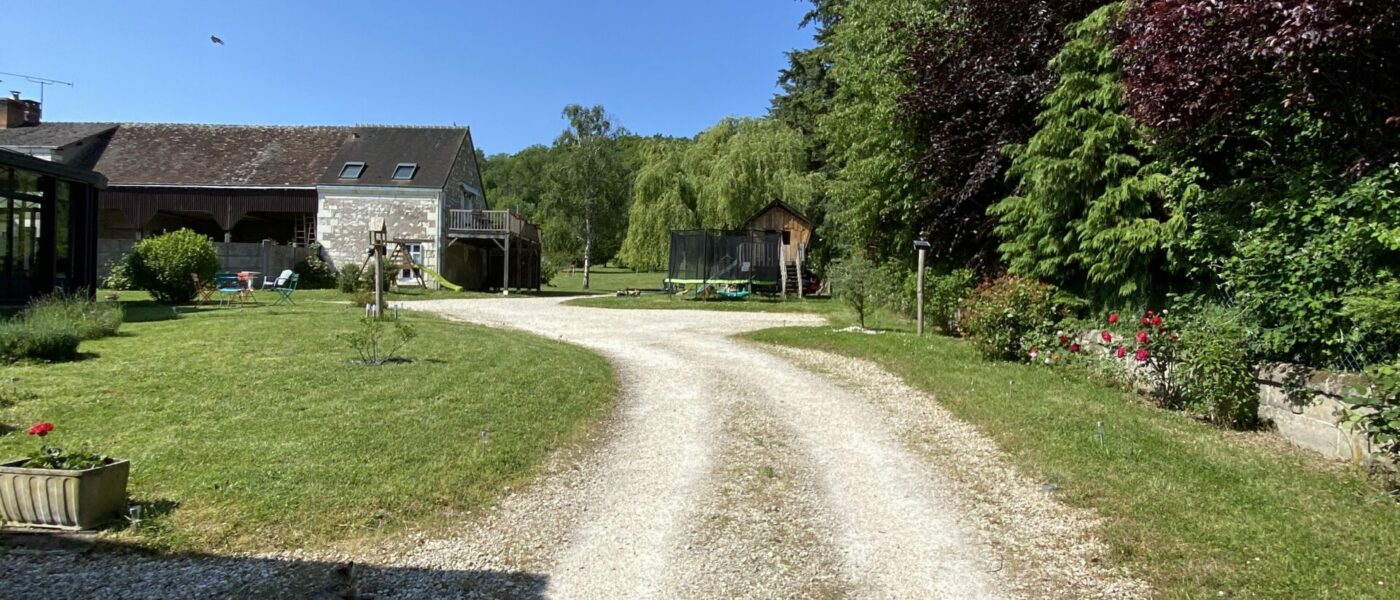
(790, 279)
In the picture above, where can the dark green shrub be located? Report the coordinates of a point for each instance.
(316, 274)
(1376, 412)
(858, 283)
(162, 264)
(92, 320)
(1213, 368)
(548, 269)
(944, 296)
(42, 340)
(349, 279)
(119, 275)
(1003, 314)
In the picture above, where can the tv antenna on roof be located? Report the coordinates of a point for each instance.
(42, 81)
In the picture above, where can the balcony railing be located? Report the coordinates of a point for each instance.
(488, 222)
(483, 221)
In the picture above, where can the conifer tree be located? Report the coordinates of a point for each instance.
(1094, 210)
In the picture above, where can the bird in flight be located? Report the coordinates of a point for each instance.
(216, 40)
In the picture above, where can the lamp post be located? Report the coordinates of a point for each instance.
(922, 246)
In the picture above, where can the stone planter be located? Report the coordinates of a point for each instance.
(59, 499)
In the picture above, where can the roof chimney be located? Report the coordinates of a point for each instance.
(15, 112)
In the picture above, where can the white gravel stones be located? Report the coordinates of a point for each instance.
(727, 470)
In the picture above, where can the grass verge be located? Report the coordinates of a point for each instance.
(822, 306)
(249, 429)
(1197, 511)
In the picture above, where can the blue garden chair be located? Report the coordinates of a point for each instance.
(228, 288)
(285, 287)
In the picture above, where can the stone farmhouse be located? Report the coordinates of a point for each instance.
(270, 195)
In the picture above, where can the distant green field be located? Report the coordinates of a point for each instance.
(607, 280)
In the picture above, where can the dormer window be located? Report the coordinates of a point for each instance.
(405, 171)
(352, 170)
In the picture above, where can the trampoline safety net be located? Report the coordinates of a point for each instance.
(703, 256)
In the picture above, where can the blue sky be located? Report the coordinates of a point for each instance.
(504, 68)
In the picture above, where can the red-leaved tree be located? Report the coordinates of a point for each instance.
(1188, 63)
(976, 79)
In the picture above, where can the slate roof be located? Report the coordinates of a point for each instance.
(382, 148)
(134, 154)
(218, 155)
(51, 135)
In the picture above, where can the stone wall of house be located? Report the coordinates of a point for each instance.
(343, 217)
(268, 259)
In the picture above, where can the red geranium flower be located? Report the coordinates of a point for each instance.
(1157, 321)
(1141, 354)
(1074, 347)
(1064, 339)
(1142, 337)
(1112, 318)
(1107, 337)
(1121, 352)
(1145, 321)
(41, 429)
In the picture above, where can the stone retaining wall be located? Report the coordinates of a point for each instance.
(1306, 406)
(233, 256)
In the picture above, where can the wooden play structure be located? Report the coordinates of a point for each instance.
(765, 256)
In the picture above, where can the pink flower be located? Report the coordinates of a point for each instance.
(1112, 318)
(1034, 352)
(1141, 354)
(1121, 352)
(1142, 336)
(1107, 337)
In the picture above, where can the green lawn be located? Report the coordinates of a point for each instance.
(606, 280)
(250, 429)
(1196, 510)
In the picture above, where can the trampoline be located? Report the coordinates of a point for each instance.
(726, 261)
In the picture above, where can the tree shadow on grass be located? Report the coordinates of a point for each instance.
(84, 565)
(147, 311)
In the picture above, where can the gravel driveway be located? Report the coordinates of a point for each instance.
(728, 469)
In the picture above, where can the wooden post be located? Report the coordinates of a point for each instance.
(800, 248)
(505, 276)
(378, 278)
(920, 292)
(782, 269)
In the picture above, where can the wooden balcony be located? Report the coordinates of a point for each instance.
(490, 224)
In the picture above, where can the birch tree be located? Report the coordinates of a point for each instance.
(588, 188)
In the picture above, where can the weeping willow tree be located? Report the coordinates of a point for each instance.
(662, 199)
(1094, 210)
(717, 181)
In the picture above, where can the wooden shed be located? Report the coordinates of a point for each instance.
(795, 237)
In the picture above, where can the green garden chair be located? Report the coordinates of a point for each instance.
(284, 289)
(229, 290)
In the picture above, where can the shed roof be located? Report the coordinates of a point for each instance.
(777, 204)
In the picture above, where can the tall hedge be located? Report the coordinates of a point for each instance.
(162, 265)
